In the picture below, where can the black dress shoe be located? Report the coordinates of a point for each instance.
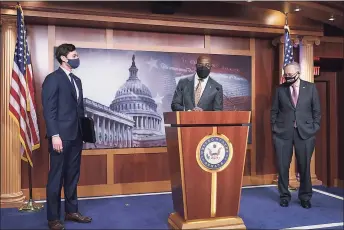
(77, 217)
(306, 204)
(55, 225)
(284, 203)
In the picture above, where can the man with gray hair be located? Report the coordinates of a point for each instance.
(295, 119)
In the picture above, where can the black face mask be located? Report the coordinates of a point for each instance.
(203, 72)
(291, 79)
(74, 63)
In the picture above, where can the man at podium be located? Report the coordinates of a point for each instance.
(200, 92)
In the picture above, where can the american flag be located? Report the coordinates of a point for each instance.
(288, 49)
(22, 99)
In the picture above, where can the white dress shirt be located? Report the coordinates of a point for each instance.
(203, 83)
(70, 79)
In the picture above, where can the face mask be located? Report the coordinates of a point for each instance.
(291, 80)
(203, 72)
(74, 63)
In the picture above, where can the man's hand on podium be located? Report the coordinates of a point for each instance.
(197, 109)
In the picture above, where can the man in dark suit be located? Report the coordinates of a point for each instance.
(295, 118)
(199, 92)
(62, 99)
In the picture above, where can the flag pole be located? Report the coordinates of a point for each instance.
(286, 26)
(290, 188)
(286, 19)
(30, 205)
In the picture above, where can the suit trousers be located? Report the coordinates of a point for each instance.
(303, 152)
(64, 170)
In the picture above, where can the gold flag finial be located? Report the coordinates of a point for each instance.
(286, 19)
(17, 6)
(286, 26)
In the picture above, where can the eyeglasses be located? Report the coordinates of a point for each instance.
(206, 65)
(291, 75)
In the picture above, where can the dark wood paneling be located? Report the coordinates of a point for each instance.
(340, 83)
(322, 145)
(296, 52)
(197, 181)
(326, 149)
(229, 43)
(93, 170)
(267, 79)
(329, 50)
(141, 167)
(247, 168)
(158, 39)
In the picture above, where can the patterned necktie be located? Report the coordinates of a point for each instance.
(295, 94)
(198, 91)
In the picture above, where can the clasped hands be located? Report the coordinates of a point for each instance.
(197, 109)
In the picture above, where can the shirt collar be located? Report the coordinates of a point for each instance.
(66, 71)
(205, 80)
(297, 83)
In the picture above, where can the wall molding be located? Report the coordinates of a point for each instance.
(175, 23)
(136, 188)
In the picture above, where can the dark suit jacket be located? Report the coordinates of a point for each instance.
(184, 96)
(61, 109)
(306, 113)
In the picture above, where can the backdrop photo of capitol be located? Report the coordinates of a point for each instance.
(127, 92)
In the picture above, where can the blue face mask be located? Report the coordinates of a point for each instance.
(74, 63)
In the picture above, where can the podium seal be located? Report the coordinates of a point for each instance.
(214, 153)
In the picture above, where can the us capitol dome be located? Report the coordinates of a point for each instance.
(135, 99)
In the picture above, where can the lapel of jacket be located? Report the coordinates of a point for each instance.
(287, 91)
(191, 89)
(65, 79)
(206, 91)
(302, 88)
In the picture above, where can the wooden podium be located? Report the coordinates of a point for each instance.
(206, 157)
